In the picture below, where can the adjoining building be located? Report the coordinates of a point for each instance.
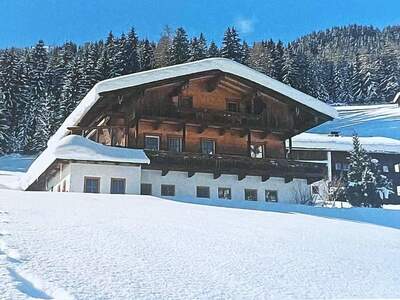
(207, 129)
(376, 125)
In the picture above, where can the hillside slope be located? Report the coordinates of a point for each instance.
(80, 246)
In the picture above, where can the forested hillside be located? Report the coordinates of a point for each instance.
(41, 85)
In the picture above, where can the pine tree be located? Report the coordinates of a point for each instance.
(146, 56)
(366, 186)
(162, 50)
(4, 133)
(245, 53)
(231, 47)
(213, 50)
(198, 48)
(38, 102)
(179, 52)
(132, 57)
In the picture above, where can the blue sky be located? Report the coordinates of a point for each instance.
(23, 22)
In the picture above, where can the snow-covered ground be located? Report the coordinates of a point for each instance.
(87, 246)
(12, 168)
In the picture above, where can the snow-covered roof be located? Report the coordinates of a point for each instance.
(74, 147)
(364, 120)
(221, 64)
(314, 141)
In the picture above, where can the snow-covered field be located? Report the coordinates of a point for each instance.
(86, 246)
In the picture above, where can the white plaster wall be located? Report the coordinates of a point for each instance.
(185, 186)
(63, 173)
(131, 174)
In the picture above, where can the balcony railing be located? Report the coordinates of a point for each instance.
(234, 164)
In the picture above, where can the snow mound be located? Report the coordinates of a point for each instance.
(345, 143)
(74, 147)
(210, 64)
(140, 247)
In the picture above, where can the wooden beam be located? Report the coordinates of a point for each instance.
(217, 175)
(201, 128)
(241, 176)
(191, 173)
(264, 178)
(164, 172)
(288, 179)
(156, 125)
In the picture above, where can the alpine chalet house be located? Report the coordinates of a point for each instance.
(207, 129)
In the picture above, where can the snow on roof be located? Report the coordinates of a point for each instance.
(364, 120)
(74, 147)
(344, 143)
(222, 64)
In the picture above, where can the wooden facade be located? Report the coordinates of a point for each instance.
(239, 118)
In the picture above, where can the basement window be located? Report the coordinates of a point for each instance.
(250, 194)
(271, 196)
(203, 192)
(91, 185)
(167, 190)
(224, 193)
(152, 142)
(398, 190)
(385, 169)
(397, 168)
(257, 151)
(117, 186)
(145, 189)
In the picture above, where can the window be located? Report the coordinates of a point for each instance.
(338, 166)
(186, 102)
(398, 190)
(91, 185)
(385, 169)
(315, 189)
(117, 186)
(175, 144)
(397, 168)
(250, 194)
(145, 189)
(271, 196)
(152, 142)
(207, 146)
(232, 106)
(203, 192)
(224, 193)
(167, 190)
(257, 151)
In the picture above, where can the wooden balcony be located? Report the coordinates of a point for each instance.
(212, 117)
(238, 165)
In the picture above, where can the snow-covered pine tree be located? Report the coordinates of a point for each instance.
(38, 101)
(231, 47)
(179, 52)
(213, 50)
(162, 49)
(146, 55)
(4, 128)
(366, 185)
(245, 53)
(278, 61)
(132, 57)
(71, 92)
(198, 48)
(118, 54)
